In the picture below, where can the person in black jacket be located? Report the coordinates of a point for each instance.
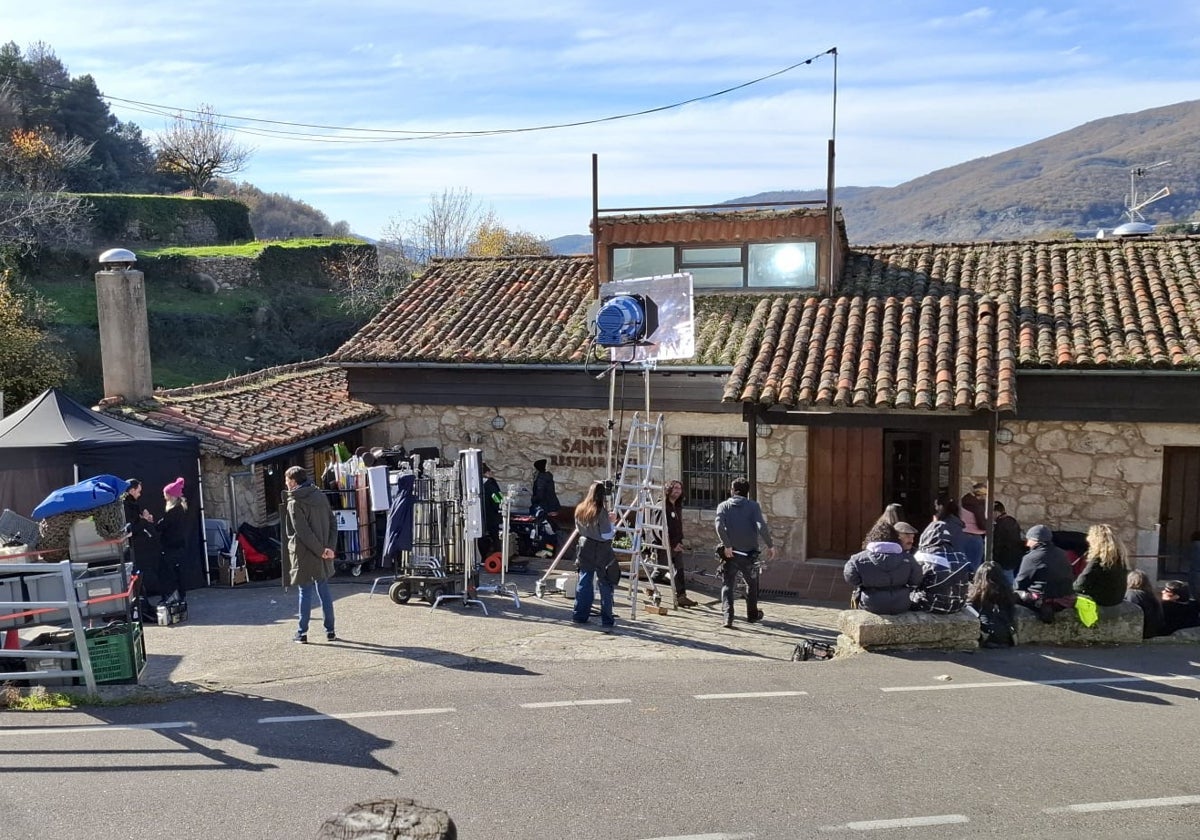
(1044, 580)
(1139, 591)
(883, 573)
(492, 518)
(1104, 577)
(173, 529)
(1008, 543)
(673, 504)
(1179, 610)
(542, 494)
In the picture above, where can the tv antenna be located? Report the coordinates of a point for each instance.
(1137, 224)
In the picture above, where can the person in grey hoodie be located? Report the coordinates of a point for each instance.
(740, 525)
(883, 573)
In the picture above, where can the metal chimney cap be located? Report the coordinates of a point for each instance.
(117, 256)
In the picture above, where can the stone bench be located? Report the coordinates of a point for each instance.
(1119, 625)
(1186, 636)
(862, 630)
(867, 631)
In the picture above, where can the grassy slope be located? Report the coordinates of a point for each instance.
(198, 336)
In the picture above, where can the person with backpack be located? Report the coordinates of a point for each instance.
(597, 565)
(992, 599)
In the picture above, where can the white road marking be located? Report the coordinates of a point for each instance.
(353, 715)
(904, 822)
(1020, 683)
(704, 837)
(1125, 805)
(750, 694)
(557, 703)
(97, 727)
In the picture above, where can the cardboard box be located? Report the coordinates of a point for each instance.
(239, 576)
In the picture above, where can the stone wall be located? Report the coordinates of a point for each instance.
(224, 273)
(575, 442)
(1071, 476)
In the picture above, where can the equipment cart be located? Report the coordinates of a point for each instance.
(436, 565)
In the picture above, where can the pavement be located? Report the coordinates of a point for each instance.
(240, 637)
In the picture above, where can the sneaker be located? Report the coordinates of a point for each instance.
(684, 601)
(300, 638)
(331, 637)
(608, 629)
(758, 616)
(727, 623)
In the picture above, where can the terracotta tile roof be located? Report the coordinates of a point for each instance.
(510, 309)
(941, 327)
(697, 226)
(246, 415)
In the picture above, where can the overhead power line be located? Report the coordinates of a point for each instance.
(288, 130)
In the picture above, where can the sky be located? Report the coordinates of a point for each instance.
(915, 87)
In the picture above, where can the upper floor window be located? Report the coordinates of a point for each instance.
(753, 266)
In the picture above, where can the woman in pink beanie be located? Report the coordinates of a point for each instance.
(173, 529)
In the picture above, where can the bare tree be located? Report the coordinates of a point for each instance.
(365, 280)
(34, 208)
(445, 229)
(198, 147)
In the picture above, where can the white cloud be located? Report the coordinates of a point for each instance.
(921, 86)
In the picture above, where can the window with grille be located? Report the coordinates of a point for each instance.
(709, 465)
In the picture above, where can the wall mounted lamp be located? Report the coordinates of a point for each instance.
(1004, 436)
(498, 422)
(763, 430)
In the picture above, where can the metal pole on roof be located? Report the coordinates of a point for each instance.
(829, 202)
(595, 225)
(989, 542)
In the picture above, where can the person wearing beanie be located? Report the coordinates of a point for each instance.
(542, 495)
(173, 533)
(1044, 580)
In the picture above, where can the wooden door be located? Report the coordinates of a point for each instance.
(1179, 510)
(845, 488)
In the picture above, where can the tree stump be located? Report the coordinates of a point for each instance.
(389, 819)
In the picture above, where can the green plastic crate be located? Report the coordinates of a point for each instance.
(118, 653)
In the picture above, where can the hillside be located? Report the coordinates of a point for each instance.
(1074, 180)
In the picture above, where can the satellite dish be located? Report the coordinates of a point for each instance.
(1133, 229)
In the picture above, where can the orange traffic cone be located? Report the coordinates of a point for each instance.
(12, 640)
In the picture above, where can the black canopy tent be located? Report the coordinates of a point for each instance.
(54, 441)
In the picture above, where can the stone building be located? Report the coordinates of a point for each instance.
(839, 378)
(251, 428)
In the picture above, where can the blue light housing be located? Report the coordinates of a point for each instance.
(622, 320)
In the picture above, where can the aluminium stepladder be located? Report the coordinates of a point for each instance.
(641, 543)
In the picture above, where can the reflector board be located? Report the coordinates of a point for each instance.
(675, 337)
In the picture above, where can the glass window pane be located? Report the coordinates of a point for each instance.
(707, 256)
(642, 262)
(784, 264)
(717, 278)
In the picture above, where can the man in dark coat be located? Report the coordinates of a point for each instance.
(1008, 543)
(542, 494)
(310, 534)
(1044, 580)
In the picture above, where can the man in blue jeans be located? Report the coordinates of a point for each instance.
(740, 526)
(310, 535)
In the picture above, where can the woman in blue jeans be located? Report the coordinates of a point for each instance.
(595, 561)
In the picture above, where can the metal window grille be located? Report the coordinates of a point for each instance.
(709, 465)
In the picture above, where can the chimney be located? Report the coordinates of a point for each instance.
(124, 331)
